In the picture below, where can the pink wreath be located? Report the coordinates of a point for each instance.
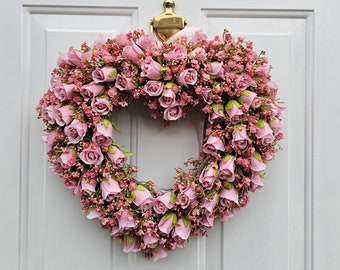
(222, 77)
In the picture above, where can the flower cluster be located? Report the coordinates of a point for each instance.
(223, 77)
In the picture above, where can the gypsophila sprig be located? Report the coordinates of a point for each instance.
(223, 77)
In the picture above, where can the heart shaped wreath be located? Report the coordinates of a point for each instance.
(223, 77)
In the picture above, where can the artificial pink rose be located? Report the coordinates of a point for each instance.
(227, 168)
(243, 81)
(124, 83)
(262, 71)
(209, 205)
(178, 53)
(151, 69)
(256, 163)
(213, 144)
(103, 133)
(101, 106)
(247, 97)
(116, 155)
(91, 90)
(50, 137)
(133, 53)
(172, 113)
(272, 85)
(55, 81)
(92, 155)
(158, 253)
(153, 88)
(276, 109)
(99, 42)
(76, 131)
(240, 137)
(229, 194)
(142, 197)
(264, 133)
(168, 98)
(110, 188)
(126, 220)
(208, 176)
(105, 74)
(49, 114)
(215, 69)
(276, 125)
(198, 54)
(167, 222)
(147, 42)
(207, 221)
(149, 240)
(68, 158)
(217, 111)
(129, 244)
(93, 214)
(122, 39)
(187, 77)
(186, 196)
(256, 181)
(182, 230)
(234, 111)
(88, 186)
(64, 115)
(74, 58)
(163, 202)
(198, 37)
(64, 91)
(204, 92)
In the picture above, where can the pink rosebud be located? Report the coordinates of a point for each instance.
(215, 69)
(276, 125)
(109, 188)
(158, 253)
(133, 53)
(262, 71)
(207, 221)
(243, 81)
(149, 240)
(126, 220)
(186, 196)
(101, 106)
(164, 202)
(76, 131)
(276, 109)
(122, 39)
(217, 111)
(209, 205)
(213, 144)
(49, 113)
(240, 137)
(204, 92)
(264, 132)
(208, 176)
(130, 244)
(142, 197)
(103, 133)
(227, 168)
(92, 155)
(64, 91)
(187, 77)
(50, 137)
(256, 181)
(247, 97)
(178, 53)
(229, 194)
(172, 113)
(64, 115)
(93, 214)
(182, 230)
(88, 186)
(151, 69)
(68, 158)
(74, 58)
(147, 42)
(99, 42)
(168, 98)
(256, 163)
(153, 88)
(105, 74)
(124, 83)
(167, 222)
(233, 109)
(91, 90)
(198, 54)
(117, 156)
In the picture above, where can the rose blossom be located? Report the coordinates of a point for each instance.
(243, 81)
(233, 109)
(199, 54)
(76, 131)
(182, 230)
(256, 163)
(126, 220)
(163, 202)
(142, 197)
(227, 168)
(130, 244)
(186, 196)
(168, 98)
(207, 221)
(91, 90)
(133, 53)
(276, 109)
(172, 113)
(92, 155)
(217, 111)
(64, 91)
(209, 205)
(149, 240)
(147, 42)
(276, 125)
(151, 69)
(103, 133)
(68, 158)
(109, 188)
(101, 106)
(88, 185)
(74, 58)
(240, 137)
(64, 115)
(124, 83)
(262, 71)
(187, 76)
(264, 132)
(213, 144)
(250, 99)
(116, 155)
(178, 53)
(167, 222)
(49, 114)
(256, 182)
(158, 253)
(93, 214)
(105, 74)
(229, 194)
(208, 176)
(153, 88)
(99, 42)
(215, 69)
(49, 138)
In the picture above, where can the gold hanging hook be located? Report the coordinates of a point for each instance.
(168, 23)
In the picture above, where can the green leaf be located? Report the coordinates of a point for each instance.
(106, 123)
(227, 157)
(245, 93)
(168, 215)
(111, 149)
(113, 74)
(133, 196)
(260, 123)
(174, 220)
(72, 108)
(258, 156)
(185, 221)
(228, 185)
(141, 188)
(127, 153)
(168, 85)
(163, 69)
(172, 197)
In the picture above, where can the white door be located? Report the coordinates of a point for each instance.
(292, 223)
